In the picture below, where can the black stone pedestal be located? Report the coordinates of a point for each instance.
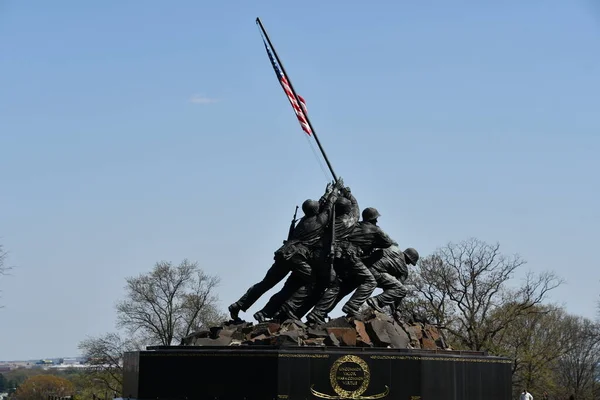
(300, 373)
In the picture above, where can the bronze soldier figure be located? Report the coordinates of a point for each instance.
(362, 240)
(346, 216)
(294, 255)
(389, 267)
(295, 281)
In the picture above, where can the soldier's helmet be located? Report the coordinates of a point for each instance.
(343, 206)
(370, 214)
(412, 255)
(310, 207)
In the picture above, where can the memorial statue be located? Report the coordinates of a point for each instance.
(353, 244)
(295, 256)
(388, 267)
(346, 216)
(324, 266)
(360, 241)
(319, 260)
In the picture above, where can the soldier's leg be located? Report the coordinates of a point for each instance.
(274, 275)
(331, 298)
(301, 276)
(347, 286)
(315, 293)
(324, 292)
(305, 299)
(321, 279)
(393, 292)
(398, 302)
(276, 303)
(366, 285)
(325, 304)
(295, 307)
(342, 285)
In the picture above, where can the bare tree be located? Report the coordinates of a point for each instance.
(576, 371)
(461, 285)
(3, 267)
(104, 357)
(168, 303)
(160, 307)
(426, 298)
(2, 259)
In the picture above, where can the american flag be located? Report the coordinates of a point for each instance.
(300, 112)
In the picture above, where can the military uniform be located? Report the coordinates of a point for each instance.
(294, 256)
(353, 274)
(389, 267)
(350, 245)
(346, 215)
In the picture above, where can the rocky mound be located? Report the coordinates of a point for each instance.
(378, 330)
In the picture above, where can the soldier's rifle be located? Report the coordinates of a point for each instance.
(332, 247)
(293, 224)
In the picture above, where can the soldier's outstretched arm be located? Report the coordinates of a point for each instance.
(328, 191)
(331, 189)
(325, 211)
(383, 241)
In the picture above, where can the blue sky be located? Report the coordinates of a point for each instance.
(133, 132)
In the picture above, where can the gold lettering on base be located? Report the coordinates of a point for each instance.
(349, 378)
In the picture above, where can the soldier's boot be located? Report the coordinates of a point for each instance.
(315, 318)
(234, 311)
(260, 316)
(366, 285)
(280, 316)
(374, 304)
(351, 313)
(286, 313)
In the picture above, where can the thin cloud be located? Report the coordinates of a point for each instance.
(200, 99)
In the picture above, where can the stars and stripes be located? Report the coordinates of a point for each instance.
(297, 102)
(300, 110)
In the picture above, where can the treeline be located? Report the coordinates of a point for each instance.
(469, 290)
(40, 384)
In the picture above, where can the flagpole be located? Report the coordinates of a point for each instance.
(289, 81)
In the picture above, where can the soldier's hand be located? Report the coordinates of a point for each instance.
(329, 187)
(339, 184)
